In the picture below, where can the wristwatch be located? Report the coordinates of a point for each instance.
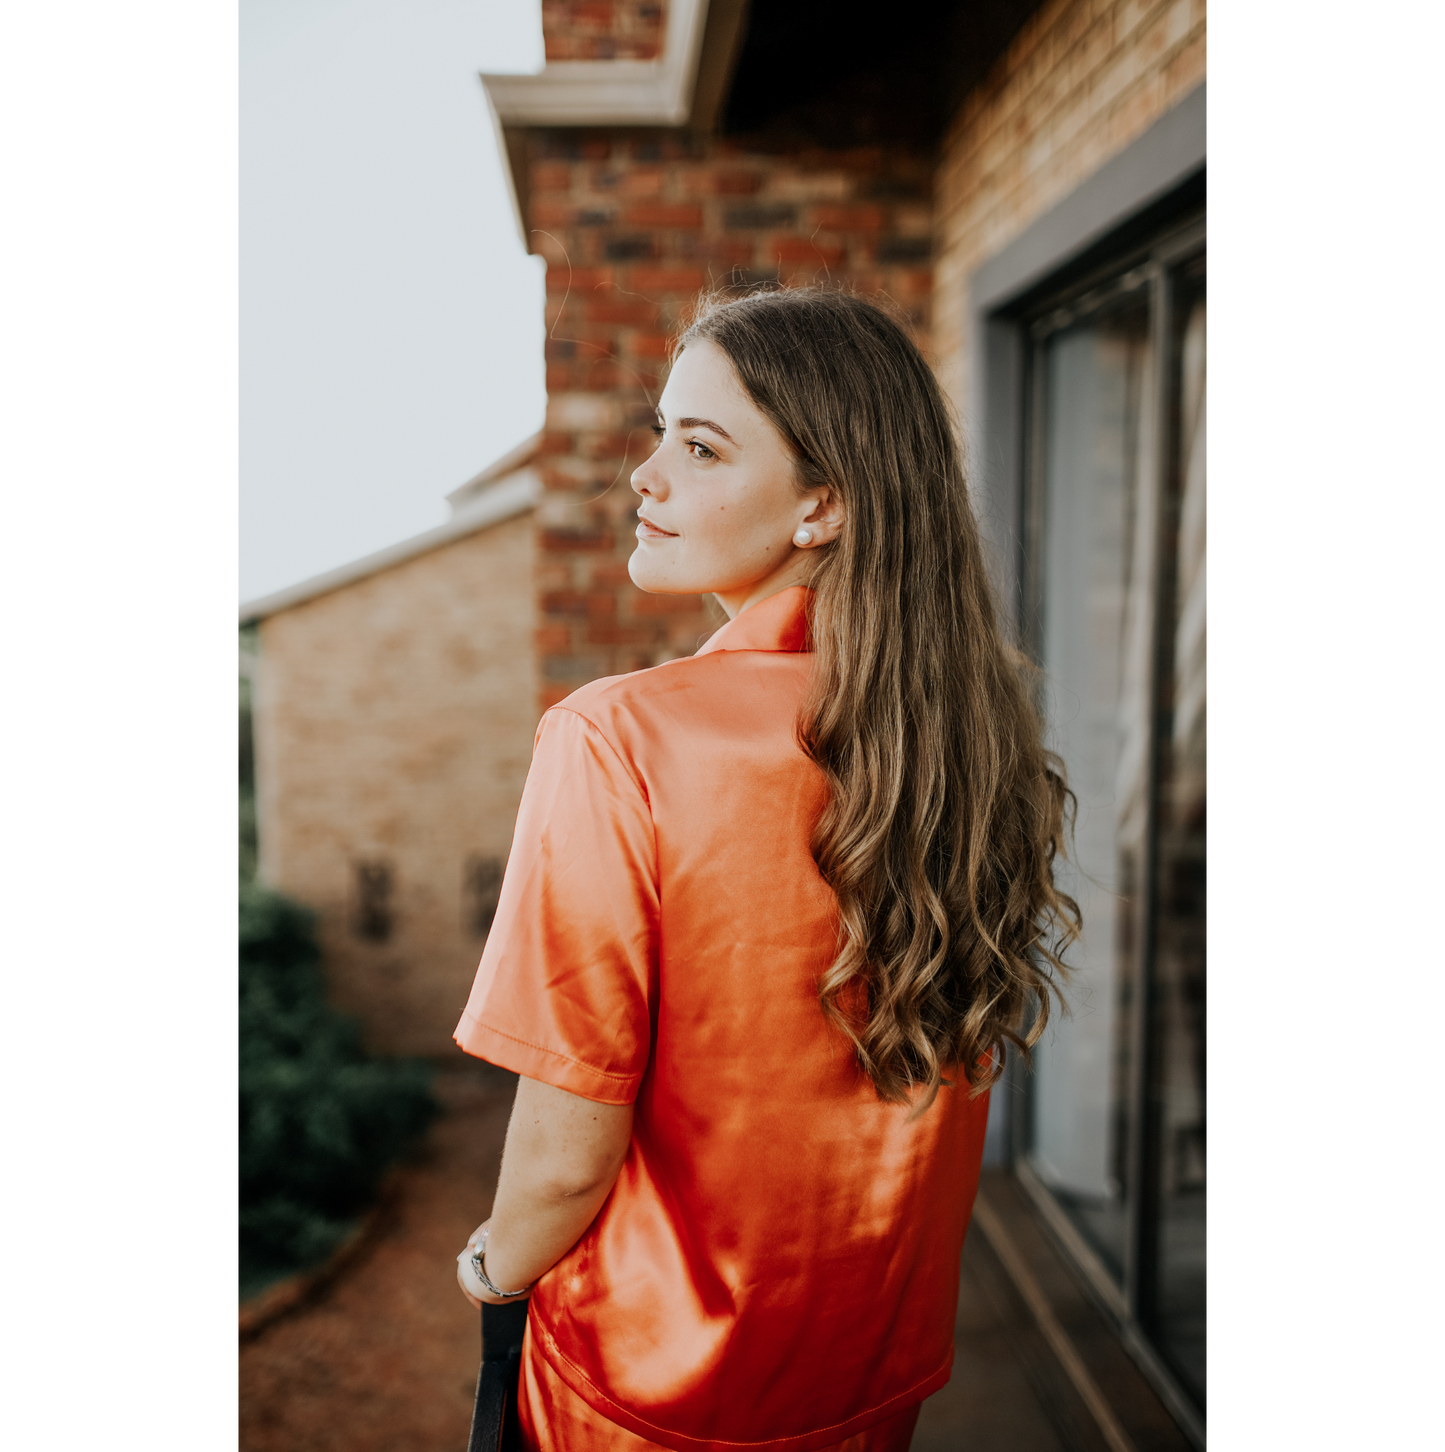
(478, 1252)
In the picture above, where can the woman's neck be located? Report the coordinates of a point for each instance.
(797, 570)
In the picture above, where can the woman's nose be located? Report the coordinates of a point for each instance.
(646, 479)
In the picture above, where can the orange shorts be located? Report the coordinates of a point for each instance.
(554, 1418)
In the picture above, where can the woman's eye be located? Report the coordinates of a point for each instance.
(700, 449)
(657, 432)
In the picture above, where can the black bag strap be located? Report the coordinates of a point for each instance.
(494, 1418)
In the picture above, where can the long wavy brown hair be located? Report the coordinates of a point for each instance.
(946, 814)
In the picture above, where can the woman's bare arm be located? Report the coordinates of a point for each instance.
(562, 1156)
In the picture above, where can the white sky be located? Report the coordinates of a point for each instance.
(391, 323)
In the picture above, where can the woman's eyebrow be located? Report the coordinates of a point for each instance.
(706, 423)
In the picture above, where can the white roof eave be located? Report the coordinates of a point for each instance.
(610, 93)
(507, 498)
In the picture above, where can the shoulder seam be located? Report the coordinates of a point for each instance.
(607, 741)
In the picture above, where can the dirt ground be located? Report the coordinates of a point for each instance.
(386, 1360)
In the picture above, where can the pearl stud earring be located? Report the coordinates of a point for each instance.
(803, 536)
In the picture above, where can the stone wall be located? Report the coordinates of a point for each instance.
(394, 724)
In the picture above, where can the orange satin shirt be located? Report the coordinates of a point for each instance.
(777, 1265)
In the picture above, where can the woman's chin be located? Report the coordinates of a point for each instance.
(648, 576)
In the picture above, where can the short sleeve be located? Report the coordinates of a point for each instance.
(564, 990)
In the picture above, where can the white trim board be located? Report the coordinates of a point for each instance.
(462, 496)
(506, 499)
(610, 93)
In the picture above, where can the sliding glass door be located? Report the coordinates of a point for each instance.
(1113, 606)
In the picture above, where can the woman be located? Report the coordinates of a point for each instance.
(771, 915)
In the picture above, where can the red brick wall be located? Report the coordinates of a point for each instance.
(633, 225)
(603, 29)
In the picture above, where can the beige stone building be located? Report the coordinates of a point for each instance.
(394, 713)
(1023, 185)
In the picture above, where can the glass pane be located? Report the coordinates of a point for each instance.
(1177, 994)
(1095, 615)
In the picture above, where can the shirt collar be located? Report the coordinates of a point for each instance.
(778, 623)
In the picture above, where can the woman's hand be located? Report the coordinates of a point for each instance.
(472, 1288)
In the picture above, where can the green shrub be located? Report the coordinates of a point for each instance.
(247, 816)
(245, 736)
(320, 1118)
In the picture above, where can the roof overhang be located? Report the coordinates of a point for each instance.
(610, 93)
(687, 86)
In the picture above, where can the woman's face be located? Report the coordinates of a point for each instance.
(720, 501)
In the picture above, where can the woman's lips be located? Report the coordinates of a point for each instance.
(647, 530)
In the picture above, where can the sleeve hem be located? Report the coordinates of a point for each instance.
(534, 1061)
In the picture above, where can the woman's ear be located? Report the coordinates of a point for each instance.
(825, 518)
